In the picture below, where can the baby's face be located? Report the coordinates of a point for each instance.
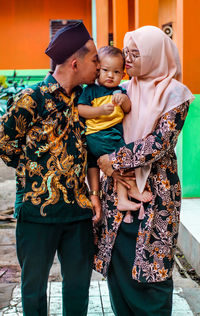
(111, 71)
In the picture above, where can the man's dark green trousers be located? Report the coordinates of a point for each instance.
(36, 247)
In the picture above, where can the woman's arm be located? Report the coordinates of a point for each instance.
(145, 151)
(155, 145)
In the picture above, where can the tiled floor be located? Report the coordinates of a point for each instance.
(99, 304)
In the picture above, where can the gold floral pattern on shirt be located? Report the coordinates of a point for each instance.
(51, 157)
(50, 105)
(34, 168)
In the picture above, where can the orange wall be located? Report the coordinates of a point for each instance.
(146, 12)
(24, 28)
(120, 21)
(191, 44)
(167, 13)
(110, 17)
(102, 20)
(186, 22)
(25, 32)
(131, 15)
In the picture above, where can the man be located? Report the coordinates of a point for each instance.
(43, 137)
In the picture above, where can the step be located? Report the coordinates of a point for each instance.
(189, 232)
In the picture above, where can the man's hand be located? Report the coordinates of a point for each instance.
(105, 165)
(107, 109)
(97, 210)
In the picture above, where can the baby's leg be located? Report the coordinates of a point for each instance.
(123, 202)
(145, 196)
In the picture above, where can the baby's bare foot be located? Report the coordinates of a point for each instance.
(145, 196)
(128, 206)
(128, 218)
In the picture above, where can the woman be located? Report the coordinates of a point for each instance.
(137, 258)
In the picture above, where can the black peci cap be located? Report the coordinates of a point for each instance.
(67, 41)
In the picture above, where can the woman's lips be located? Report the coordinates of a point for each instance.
(128, 66)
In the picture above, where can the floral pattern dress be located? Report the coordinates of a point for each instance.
(158, 231)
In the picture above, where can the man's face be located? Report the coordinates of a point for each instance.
(89, 64)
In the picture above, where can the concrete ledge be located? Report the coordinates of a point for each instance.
(189, 232)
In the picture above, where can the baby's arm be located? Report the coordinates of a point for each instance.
(90, 112)
(122, 100)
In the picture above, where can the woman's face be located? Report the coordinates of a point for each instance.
(133, 59)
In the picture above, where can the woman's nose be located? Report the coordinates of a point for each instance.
(128, 59)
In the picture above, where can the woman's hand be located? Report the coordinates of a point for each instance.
(105, 165)
(123, 177)
(118, 175)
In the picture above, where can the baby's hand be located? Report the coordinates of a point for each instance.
(119, 98)
(107, 109)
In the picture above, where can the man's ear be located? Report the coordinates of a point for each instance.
(74, 64)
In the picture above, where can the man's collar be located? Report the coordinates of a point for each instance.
(53, 85)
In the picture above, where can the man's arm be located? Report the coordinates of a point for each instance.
(93, 181)
(10, 150)
(13, 127)
(90, 112)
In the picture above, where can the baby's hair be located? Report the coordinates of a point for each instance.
(111, 51)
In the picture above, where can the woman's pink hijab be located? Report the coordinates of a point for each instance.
(156, 91)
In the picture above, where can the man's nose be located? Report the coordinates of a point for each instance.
(98, 66)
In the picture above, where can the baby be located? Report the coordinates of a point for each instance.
(103, 106)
